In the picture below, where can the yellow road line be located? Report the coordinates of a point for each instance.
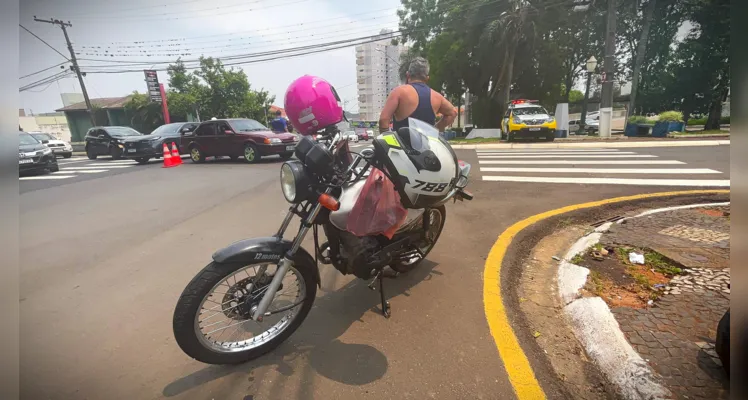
(515, 361)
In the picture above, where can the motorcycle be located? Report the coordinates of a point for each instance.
(257, 292)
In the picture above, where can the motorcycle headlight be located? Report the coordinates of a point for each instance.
(294, 182)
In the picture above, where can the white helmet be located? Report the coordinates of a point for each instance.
(422, 165)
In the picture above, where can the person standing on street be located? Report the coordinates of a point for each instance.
(279, 124)
(416, 100)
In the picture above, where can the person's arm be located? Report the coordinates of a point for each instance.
(393, 100)
(285, 124)
(448, 112)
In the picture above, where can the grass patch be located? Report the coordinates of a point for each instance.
(563, 223)
(661, 264)
(701, 133)
(475, 140)
(578, 258)
(596, 283)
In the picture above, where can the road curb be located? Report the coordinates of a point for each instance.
(596, 327)
(668, 143)
(515, 361)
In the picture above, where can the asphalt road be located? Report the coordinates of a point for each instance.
(105, 255)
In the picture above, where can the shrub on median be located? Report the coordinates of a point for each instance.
(670, 116)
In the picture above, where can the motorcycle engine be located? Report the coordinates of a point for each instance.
(357, 252)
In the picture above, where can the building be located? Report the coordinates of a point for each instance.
(377, 73)
(53, 123)
(110, 111)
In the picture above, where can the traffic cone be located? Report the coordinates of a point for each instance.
(168, 161)
(175, 157)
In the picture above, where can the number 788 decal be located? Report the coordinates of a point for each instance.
(430, 187)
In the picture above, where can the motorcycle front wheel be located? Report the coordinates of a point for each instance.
(436, 216)
(211, 320)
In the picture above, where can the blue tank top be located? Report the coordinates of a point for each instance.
(424, 111)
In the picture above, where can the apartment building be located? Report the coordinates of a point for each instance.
(377, 66)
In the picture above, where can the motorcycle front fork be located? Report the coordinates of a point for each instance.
(285, 262)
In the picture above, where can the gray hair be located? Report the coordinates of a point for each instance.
(418, 68)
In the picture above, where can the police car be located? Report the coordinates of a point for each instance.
(525, 119)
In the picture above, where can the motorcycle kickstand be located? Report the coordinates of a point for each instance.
(386, 309)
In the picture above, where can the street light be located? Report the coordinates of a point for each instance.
(591, 65)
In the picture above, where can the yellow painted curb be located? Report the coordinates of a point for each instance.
(518, 368)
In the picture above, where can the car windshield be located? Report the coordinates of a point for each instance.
(247, 125)
(26, 139)
(43, 136)
(529, 111)
(122, 131)
(167, 129)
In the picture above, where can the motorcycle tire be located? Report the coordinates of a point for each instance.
(190, 301)
(403, 267)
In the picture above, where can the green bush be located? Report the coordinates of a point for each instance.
(702, 121)
(670, 116)
(638, 119)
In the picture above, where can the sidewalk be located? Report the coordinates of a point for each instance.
(669, 308)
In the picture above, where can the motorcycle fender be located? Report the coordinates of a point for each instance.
(253, 251)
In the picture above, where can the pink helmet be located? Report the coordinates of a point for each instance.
(312, 104)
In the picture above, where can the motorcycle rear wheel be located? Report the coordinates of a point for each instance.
(187, 314)
(438, 215)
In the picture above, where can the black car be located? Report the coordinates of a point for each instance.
(33, 156)
(108, 140)
(143, 148)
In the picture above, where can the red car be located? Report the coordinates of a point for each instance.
(363, 135)
(236, 138)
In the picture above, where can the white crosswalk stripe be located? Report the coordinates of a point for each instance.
(67, 172)
(590, 167)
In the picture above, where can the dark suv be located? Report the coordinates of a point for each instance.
(236, 138)
(108, 140)
(143, 148)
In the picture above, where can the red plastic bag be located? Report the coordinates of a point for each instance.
(377, 209)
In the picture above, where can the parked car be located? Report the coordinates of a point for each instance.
(108, 140)
(351, 135)
(59, 147)
(590, 127)
(237, 138)
(143, 148)
(363, 135)
(33, 156)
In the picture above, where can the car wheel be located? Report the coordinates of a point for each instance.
(510, 137)
(549, 138)
(286, 156)
(143, 160)
(250, 154)
(67, 155)
(196, 155)
(90, 154)
(115, 152)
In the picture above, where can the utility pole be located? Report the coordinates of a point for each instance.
(75, 67)
(606, 102)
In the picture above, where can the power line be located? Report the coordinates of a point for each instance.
(42, 40)
(42, 70)
(232, 47)
(43, 81)
(191, 13)
(179, 3)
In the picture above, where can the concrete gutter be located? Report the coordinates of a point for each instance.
(598, 144)
(597, 329)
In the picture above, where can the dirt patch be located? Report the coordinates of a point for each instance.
(713, 212)
(539, 302)
(621, 283)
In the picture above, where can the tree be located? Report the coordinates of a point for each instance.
(144, 115)
(575, 96)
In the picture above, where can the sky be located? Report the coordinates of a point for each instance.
(217, 28)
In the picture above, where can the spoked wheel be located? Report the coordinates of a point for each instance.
(212, 321)
(412, 258)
